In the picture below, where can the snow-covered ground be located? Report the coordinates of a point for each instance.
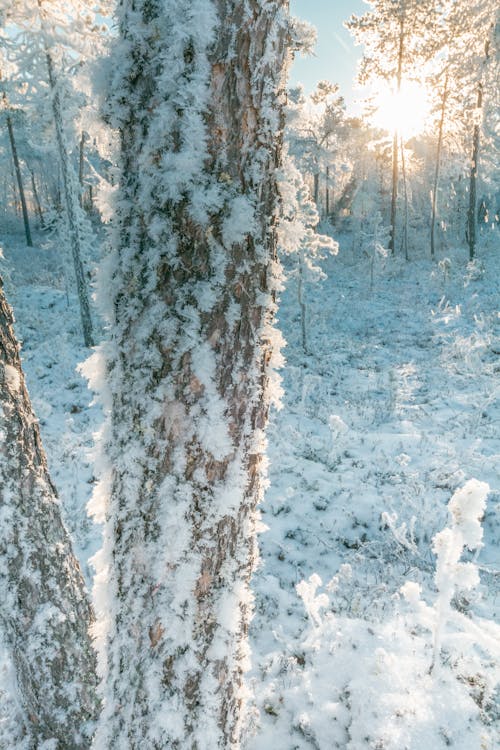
(393, 410)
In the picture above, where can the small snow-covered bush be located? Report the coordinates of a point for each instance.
(355, 684)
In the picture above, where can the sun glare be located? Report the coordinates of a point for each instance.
(405, 112)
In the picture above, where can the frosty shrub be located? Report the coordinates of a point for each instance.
(353, 684)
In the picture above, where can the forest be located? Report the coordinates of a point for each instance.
(249, 378)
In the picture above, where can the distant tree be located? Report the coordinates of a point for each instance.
(44, 610)
(8, 115)
(398, 36)
(314, 127)
(299, 239)
(197, 94)
(47, 42)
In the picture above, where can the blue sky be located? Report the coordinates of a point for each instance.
(336, 56)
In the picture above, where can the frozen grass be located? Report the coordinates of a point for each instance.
(395, 408)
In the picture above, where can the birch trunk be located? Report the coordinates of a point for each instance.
(44, 610)
(191, 285)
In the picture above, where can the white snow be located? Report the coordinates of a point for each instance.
(388, 440)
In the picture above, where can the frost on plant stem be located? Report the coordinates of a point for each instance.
(466, 509)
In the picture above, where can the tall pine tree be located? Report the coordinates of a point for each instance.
(189, 297)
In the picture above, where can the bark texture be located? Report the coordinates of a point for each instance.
(188, 363)
(19, 177)
(44, 610)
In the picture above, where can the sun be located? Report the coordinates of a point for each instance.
(404, 112)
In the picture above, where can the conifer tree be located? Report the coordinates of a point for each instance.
(398, 36)
(188, 291)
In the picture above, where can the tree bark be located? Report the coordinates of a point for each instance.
(71, 198)
(19, 177)
(395, 144)
(72, 208)
(471, 212)
(405, 192)
(191, 286)
(476, 138)
(37, 199)
(44, 610)
(438, 165)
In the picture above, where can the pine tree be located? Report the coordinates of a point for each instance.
(398, 37)
(197, 96)
(50, 39)
(44, 611)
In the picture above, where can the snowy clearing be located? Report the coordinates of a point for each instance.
(394, 409)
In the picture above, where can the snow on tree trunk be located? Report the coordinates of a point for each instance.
(19, 178)
(189, 296)
(74, 213)
(44, 611)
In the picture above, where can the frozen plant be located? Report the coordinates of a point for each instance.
(374, 240)
(466, 508)
(298, 236)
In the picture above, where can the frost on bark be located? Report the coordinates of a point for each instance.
(44, 611)
(189, 365)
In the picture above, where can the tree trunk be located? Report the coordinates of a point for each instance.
(71, 199)
(45, 613)
(19, 177)
(302, 302)
(316, 190)
(81, 165)
(191, 300)
(395, 145)
(438, 164)
(72, 208)
(405, 192)
(327, 192)
(37, 199)
(472, 212)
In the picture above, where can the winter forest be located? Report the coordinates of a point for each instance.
(249, 377)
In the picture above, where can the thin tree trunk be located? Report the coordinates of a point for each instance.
(19, 178)
(316, 190)
(471, 212)
(327, 192)
(395, 146)
(37, 199)
(438, 165)
(44, 610)
(71, 201)
(81, 163)
(302, 303)
(191, 305)
(405, 189)
(476, 138)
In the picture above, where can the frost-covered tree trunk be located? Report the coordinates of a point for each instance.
(474, 168)
(395, 141)
(189, 295)
(44, 610)
(437, 166)
(71, 199)
(19, 177)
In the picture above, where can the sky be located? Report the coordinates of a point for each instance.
(336, 56)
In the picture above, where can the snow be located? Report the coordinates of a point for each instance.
(380, 464)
